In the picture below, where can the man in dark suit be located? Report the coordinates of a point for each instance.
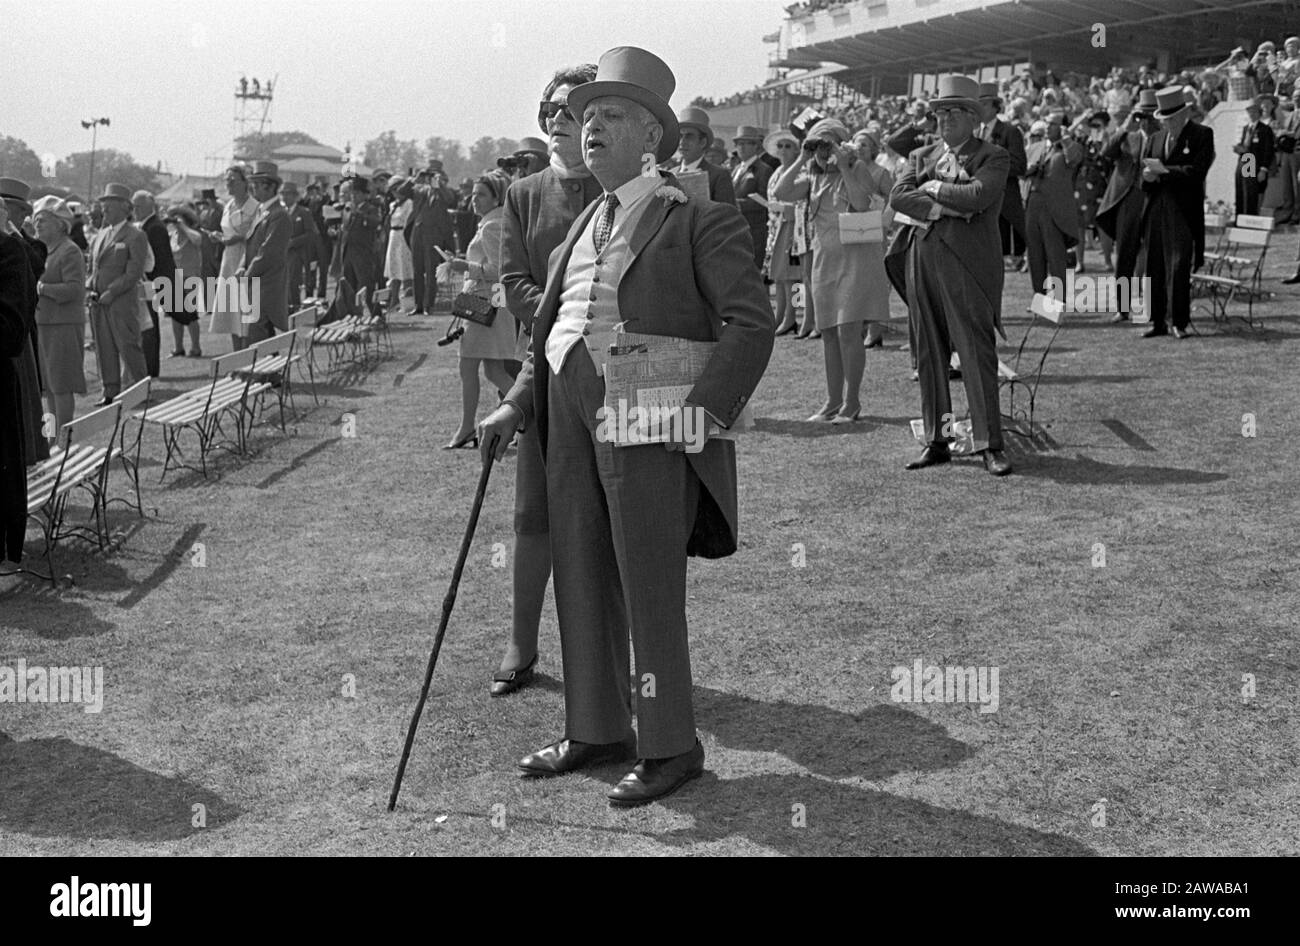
(697, 138)
(355, 265)
(1287, 126)
(1011, 219)
(751, 176)
(13, 339)
(302, 241)
(1051, 215)
(948, 266)
(145, 210)
(1119, 215)
(1175, 162)
(266, 254)
(625, 518)
(430, 225)
(1255, 152)
(117, 258)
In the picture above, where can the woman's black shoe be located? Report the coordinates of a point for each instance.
(507, 681)
(1293, 280)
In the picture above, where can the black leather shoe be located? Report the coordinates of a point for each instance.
(1119, 317)
(1155, 331)
(1292, 280)
(507, 681)
(104, 402)
(996, 462)
(657, 778)
(560, 758)
(932, 455)
(1179, 333)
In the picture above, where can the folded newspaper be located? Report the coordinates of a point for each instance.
(647, 380)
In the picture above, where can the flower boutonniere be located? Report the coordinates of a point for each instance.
(670, 195)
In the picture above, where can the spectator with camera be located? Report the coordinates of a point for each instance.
(848, 279)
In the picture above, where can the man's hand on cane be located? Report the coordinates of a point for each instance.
(498, 429)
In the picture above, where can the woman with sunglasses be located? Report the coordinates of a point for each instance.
(539, 211)
(781, 265)
(849, 284)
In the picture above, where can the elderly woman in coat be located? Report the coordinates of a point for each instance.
(60, 310)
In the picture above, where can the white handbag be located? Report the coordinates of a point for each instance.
(867, 227)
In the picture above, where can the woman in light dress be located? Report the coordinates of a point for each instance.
(492, 345)
(849, 285)
(236, 222)
(399, 267)
(783, 272)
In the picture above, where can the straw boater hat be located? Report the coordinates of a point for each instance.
(116, 192)
(1170, 101)
(264, 171)
(748, 133)
(641, 76)
(956, 92)
(770, 142)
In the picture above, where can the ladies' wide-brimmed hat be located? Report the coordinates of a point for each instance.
(771, 141)
(639, 75)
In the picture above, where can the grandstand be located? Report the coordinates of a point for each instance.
(840, 54)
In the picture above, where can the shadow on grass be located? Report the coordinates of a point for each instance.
(1089, 379)
(1086, 471)
(845, 820)
(51, 618)
(59, 788)
(810, 429)
(874, 744)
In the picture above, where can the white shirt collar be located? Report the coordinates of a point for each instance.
(693, 166)
(637, 190)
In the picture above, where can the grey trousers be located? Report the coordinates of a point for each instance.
(1044, 244)
(948, 313)
(117, 336)
(620, 518)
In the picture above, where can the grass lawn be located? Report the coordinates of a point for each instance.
(1120, 687)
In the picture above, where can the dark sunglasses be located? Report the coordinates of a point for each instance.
(548, 110)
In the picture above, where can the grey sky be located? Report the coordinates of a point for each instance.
(165, 71)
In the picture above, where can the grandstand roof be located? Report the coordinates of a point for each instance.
(900, 37)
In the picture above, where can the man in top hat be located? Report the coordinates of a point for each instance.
(1119, 215)
(1011, 218)
(429, 225)
(948, 266)
(697, 137)
(266, 253)
(624, 519)
(1051, 216)
(1255, 153)
(14, 196)
(117, 265)
(716, 153)
(1287, 128)
(145, 212)
(750, 177)
(1175, 162)
(356, 264)
(303, 240)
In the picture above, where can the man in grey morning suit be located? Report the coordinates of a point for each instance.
(624, 519)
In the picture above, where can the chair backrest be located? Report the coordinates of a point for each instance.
(381, 297)
(80, 429)
(135, 395)
(303, 322)
(1245, 237)
(280, 344)
(1251, 222)
(236, 361)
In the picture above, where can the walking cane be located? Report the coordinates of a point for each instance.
(447, 604)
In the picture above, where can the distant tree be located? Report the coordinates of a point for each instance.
(452, 155)
(387, 151)
(483, 153)
(113, 166)
(256, 147)
(18, 160)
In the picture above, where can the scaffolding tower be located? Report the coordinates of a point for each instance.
(252, 111)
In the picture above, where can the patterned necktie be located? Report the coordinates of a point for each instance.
(605, 225)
